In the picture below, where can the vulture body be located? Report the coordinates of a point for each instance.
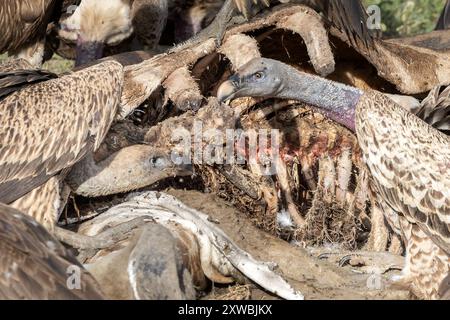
(24, 25)
(409, 160)
(34, 265)
(47, 127)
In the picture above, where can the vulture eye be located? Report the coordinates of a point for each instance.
(258, 75)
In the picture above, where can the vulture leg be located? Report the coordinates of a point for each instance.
(183, 90)
(378, 238)
(215, 30)
(45, 203)
(366, 261)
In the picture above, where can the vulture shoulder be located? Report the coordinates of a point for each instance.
(49, 126)
(23, 21)
(410, 164)
(34, 265)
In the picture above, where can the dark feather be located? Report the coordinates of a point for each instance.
(34, 265)
(19, 79)
(444, 19)
(435, 109)
(349, 17)
(23, 22)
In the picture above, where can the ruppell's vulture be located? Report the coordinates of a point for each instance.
(408, 159)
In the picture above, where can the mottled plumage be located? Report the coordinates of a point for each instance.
(408, 159)
(24, 24)
(47, 127)
(410, 166)
(11, 81)
(34, 265)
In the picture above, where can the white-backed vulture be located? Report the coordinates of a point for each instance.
(49, 126)
(34, 265)
(409, 161)
(95, 24)
(24, 25)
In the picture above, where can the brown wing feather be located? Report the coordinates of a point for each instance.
(409, 162)
(16, 80)
(444, 19)
(349, 17)
(435, 109)
(34, 265)
(51, 125)
(23, 21)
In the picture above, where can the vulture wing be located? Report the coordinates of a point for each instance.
(435, 109)
(444, 19)
(34, 265)
(409, 162)
(49, 126)
(349, 17)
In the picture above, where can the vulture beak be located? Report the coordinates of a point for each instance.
(88, 51)
(228, 89)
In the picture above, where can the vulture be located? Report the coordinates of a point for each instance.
(47, 126)
(349, 15)
(444, 19)
(96, 24)
(408, 159)
(24, 25)
(34, 265)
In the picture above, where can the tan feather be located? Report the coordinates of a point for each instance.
(34, 265)
(409, 162)
(23, 21)
(47, 127)
(435, 109)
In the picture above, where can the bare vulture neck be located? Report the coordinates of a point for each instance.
(335, 100)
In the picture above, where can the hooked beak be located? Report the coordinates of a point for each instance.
(88, 52)
(228, 89)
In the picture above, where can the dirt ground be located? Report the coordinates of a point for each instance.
(316, 279)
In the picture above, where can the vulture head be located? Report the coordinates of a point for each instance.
(258, 78)
(95, 24)
(262, 77)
